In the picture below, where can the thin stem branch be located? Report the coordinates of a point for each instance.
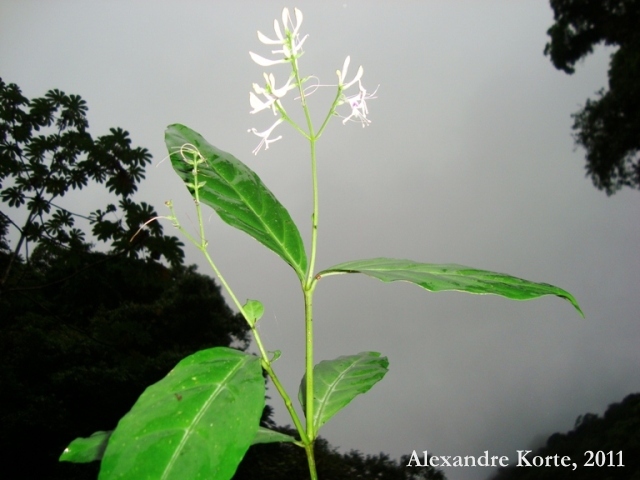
(202, 245)
(332, 111)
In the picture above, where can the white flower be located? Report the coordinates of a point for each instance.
(258, 105)
(291, 45)
(265, 136)
(268, 97)
(358, 104)
(271, 93)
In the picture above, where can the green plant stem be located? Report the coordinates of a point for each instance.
(266, 362)
(309, 284)
(308, 290)
(311, 460)
(308, 315)
(287, 400)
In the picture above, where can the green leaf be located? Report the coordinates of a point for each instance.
(436, 278)
(265, 435)
(85, 450)
(254, 310)
(197, 422)
(337, 382)
(237, 194)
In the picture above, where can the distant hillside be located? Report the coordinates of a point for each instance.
(605, 437)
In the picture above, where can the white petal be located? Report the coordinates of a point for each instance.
(266, 40)
(265, 62)
(257, 104)
(356, 78)
(286, 18)
(281, 92)
(276, 27)
(298, 19)
(345, 66)
(265, 136)
(343, 73)
(297, 47)
(272, 127)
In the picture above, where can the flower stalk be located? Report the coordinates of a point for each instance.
(270, 97)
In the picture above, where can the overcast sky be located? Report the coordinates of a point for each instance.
(469, 159)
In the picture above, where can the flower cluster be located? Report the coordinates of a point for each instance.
(290, 42)
(357, 102)
(270, 96)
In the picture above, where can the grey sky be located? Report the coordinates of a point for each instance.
(469, 159)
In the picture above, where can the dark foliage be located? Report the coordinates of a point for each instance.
(76, 352)
(46, 152)
(285, 461)
(608, 127)
(82, 332)
(618, 430)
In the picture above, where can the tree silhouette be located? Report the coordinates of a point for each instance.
(76, 353)
(84, 332)
(46, 151)
(284, 461)
(608, 127)
(617, 431)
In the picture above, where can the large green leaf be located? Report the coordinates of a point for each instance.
(437, 278)
(85, 450)
(337, 382)
(237, 194)
(197, 422)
